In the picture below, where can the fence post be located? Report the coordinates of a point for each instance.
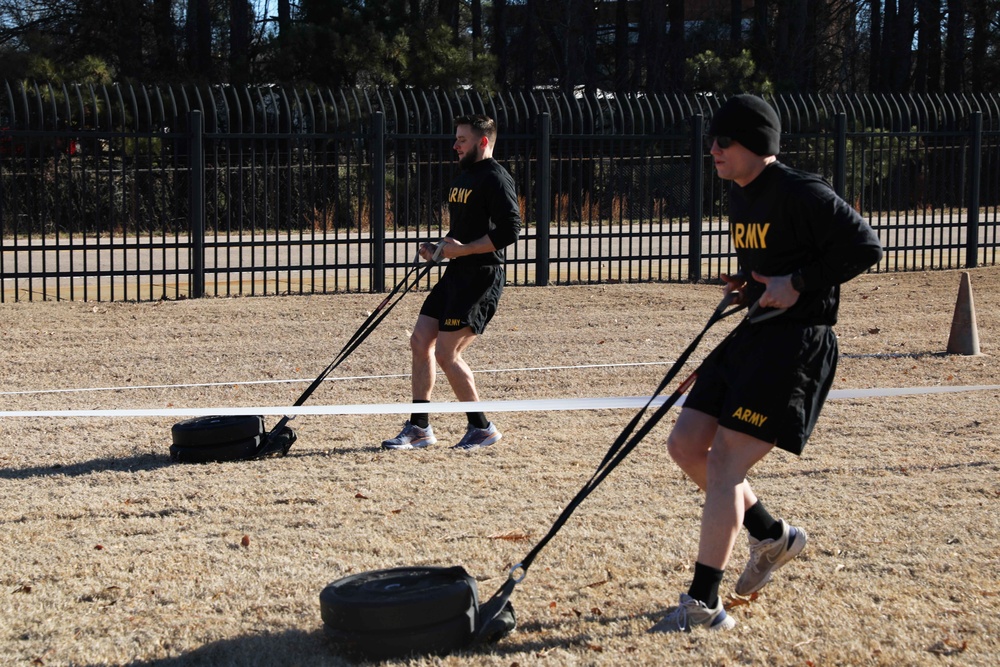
(972, 215)
(697, 196)
(378, 202)
(543, 207)
(840, 155)
(196, 203)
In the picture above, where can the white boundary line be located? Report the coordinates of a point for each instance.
(247, 383)
(308, 380)
(539, 405)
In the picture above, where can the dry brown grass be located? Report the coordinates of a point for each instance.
(111, 554)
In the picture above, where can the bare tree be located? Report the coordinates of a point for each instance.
(927, 75)
(980, 15)
(165, 36)
(623, 78)
(651, 30)
(239, 41)
(676, 46)
(498, 44)
(900, 34)
(477, 27)
(954, 46)
(198, 31)
(736, 23)
(875, 46)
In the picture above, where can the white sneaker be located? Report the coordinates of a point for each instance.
(475, 438)
(411, 437)
(766, 556)
(691, 613)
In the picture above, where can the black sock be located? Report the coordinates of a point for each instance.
(478, 419)
(420, 419)
(759, 522)
(705, 586)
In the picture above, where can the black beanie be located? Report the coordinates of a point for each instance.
(749, 120)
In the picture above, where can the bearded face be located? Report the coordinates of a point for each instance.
(468, 146)
(471, 156)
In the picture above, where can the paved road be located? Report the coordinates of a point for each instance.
(148, 268)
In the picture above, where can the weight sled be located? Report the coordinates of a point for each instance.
(227, 438)
(237, 438)
(394, 613)
(386, 614)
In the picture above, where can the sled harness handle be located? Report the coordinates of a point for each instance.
(623, 445)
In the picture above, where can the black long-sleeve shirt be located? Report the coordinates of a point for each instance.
(788, 220)
(483, 201)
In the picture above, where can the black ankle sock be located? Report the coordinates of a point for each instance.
(759, 522)
(705, 586)
(478, 419)
(420, 419)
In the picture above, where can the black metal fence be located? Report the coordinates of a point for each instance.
(138, 192)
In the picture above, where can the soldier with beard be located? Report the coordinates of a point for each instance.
(484, 218)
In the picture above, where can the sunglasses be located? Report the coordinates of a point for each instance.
(723, 141)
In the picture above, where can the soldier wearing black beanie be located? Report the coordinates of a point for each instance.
(796, 241)
(749, 120)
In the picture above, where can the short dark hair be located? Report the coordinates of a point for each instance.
(481, 123)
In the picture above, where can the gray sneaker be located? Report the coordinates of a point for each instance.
(766, 556)
(475, 438)
(691, 613)
(411, 437)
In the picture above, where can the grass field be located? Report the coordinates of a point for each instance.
(110, 554)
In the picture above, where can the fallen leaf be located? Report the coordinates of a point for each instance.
(948, 646)
(510, 536)
(737, 601)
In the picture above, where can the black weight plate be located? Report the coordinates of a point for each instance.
(202, 431)
(440, 639)
(227, 451)
(398, 599)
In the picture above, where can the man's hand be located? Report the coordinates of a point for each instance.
(427, 250)
(778, 291)
(454, 248)
(736, 284)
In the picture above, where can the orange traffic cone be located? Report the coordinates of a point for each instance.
(964, 338)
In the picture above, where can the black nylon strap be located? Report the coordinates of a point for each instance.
(369, 325)
(621, 448)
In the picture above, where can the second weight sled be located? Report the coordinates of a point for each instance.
(245, 437)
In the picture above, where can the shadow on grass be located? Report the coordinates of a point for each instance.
(149, 461)
(299, 648)
(290, 648)
(136, 463)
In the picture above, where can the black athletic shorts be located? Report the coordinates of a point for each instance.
(465, 298)
(769, 381)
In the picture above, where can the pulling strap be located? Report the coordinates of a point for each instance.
(376, 317)
(621, 448)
